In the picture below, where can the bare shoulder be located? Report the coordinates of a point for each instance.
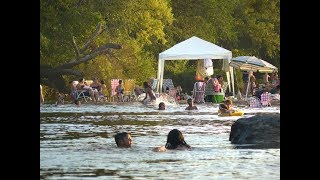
(159, 149)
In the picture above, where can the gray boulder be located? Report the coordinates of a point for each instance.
(261, 131)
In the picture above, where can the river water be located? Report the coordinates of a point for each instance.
(78, 143)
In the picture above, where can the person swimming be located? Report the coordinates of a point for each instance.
(162, 106)
(123, 140)
(226, 107)
(175, 140)
(191, 106)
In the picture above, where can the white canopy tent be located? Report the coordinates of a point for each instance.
(195, 48)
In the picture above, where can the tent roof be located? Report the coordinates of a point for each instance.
(195, 48)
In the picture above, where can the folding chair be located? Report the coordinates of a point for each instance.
(167, 83)
(266, 99)
(254, 102)
(198, 92)
(78, 94)
(81, 95)
(154, 84)
(114, 84)
(172, 95)
(225, 87)
(129, 85)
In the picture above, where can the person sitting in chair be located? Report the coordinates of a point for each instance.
(87, 90)
(96, 84)
(60, 98)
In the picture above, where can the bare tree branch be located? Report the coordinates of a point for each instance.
(53, 76)
(54, 72)
(79, 3)
(75, 48)
(98, 31)
(90, 56)
(69, 72)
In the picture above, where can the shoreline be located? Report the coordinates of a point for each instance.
(275, 103)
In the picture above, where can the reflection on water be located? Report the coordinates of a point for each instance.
(78, 143)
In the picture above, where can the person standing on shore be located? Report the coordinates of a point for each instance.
(41, 95)
(266, 78)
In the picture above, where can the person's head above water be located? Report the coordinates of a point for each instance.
(189, 101)
(162, 106)
(223, 106)
(123, 140)
(227, 102)
(175, 139)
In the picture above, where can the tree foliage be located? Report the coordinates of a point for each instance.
(145, 28)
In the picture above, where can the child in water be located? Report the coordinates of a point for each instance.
(191, 106)
(162, 106)
(226, 107)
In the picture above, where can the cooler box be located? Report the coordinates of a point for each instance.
(217, 97)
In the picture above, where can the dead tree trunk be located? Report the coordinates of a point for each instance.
(52, 76)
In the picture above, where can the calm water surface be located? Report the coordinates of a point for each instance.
(78, 143)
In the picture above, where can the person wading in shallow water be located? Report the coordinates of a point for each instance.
(149, 93)
(123, 140)
(175, 140)
(191, 106)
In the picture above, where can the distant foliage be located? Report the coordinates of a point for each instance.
(145, 28)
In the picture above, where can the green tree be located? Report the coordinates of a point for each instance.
(137, 25)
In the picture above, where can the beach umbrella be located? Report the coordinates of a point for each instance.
(253, 64)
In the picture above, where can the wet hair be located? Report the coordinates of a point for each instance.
(223, 106)
(189, 100)
(174, 139)
(160, 104)
(120, 136)
(228, 101)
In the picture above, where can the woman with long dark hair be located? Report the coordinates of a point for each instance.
(175, 140)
